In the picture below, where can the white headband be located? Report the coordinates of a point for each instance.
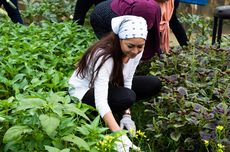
(129, 26)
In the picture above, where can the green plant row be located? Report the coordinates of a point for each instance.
(39, 58)
(36, 112)
(51, 10)
(193, 111)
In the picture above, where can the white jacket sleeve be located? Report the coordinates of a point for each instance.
(101, 86)
(78, 86)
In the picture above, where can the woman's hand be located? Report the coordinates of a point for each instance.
(129, 124)
(124, 144)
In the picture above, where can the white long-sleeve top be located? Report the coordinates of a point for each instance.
(79, 86)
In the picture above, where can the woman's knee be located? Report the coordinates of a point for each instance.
(146, 86)
(121, 98)
(156, 82)
(130, 97)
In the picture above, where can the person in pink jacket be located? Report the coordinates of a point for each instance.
(167, 7)
(169, 21)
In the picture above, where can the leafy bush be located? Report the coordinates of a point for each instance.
(194, 101)
(198, 28)
(39, 58)
(36, 113)
(51, 10)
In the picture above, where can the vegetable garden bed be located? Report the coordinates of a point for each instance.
(192, 113)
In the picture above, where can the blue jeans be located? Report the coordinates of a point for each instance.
(12, 12)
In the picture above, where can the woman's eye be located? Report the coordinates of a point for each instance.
(140, 46)
(130, 46)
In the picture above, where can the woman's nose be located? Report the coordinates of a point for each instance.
(136, 50)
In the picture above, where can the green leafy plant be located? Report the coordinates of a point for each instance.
(198, 28)
(36, 62)
(37, 114)
(194, 99)
(39, 58)
(51, 10)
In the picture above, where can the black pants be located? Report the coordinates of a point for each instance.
(120, 98)
(177, 27)
(81, 9)
(12, 12)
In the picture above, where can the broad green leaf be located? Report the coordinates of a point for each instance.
(78, 141)
(16, 132)
(53, 149)
(74, 109)
(182, 91)
(5, 80)
(65, 150)
(55, 97)
(18, 77)
(57, 108)
(28, 103)
(95, 122)
(66, 100)
(175, 136)
(56, 78)
(49, 123)
(178, 125)
(36, 81)
(83, 130)
(2, 119)
(192, 120)
(157, 135)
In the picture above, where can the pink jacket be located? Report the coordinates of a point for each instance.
(166, 14)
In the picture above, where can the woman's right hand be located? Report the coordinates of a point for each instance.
(124, 144)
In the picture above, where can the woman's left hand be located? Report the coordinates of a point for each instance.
(129, 124)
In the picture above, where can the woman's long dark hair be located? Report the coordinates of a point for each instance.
(110, 47)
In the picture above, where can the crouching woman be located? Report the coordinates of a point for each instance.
(104, 76)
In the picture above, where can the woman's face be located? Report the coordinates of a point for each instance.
(132, 47)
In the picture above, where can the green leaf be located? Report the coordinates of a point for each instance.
(178, 125)
(175, 136)
(57, 108)
(65, 150)
(74, 109)
(157, 135)
(78, 141)
(29, 103)
(56, 78)
(15, 133)
(83, 130)
(192, 120)
(53, 149)
(18, 77)
(2, 119)
(95, 122)
(49, 124)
